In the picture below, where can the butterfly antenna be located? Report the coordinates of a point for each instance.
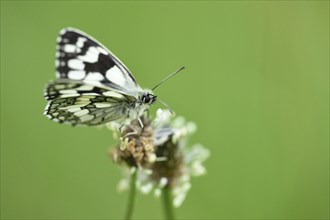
(169, 76)
(167, 106)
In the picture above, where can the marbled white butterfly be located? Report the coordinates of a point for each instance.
(93, 86)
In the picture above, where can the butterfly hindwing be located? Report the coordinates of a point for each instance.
(80, 57)
(78, 103)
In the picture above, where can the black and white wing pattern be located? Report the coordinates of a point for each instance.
(80, 57)
(78, 103)
(92, 86)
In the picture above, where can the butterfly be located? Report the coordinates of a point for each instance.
(93, 86)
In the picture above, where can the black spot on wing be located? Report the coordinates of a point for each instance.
(70, 36)
(103, 64)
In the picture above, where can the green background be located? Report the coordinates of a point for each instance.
(256, 84)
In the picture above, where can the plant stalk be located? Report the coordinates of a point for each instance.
(131, 196)
(168, 203)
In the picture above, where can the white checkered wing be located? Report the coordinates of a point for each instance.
(81, 104)
(92, 86)
(80, 57)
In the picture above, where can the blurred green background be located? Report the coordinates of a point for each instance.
(256, 85)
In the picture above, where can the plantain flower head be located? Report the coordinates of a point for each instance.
(161, 155)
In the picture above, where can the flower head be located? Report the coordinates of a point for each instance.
(161, 155)
(136, 147)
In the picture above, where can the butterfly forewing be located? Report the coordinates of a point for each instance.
(92, 86)
(80, 57)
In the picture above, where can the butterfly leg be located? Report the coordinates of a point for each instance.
(135, 132)
(121, 126)
(146, 112)
(141, 124)
(131, 133)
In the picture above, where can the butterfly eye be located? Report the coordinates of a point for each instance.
(146, 98)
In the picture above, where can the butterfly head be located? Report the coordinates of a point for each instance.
(148, 98)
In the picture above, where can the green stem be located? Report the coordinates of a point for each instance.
(131, 196)
(168, 203)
